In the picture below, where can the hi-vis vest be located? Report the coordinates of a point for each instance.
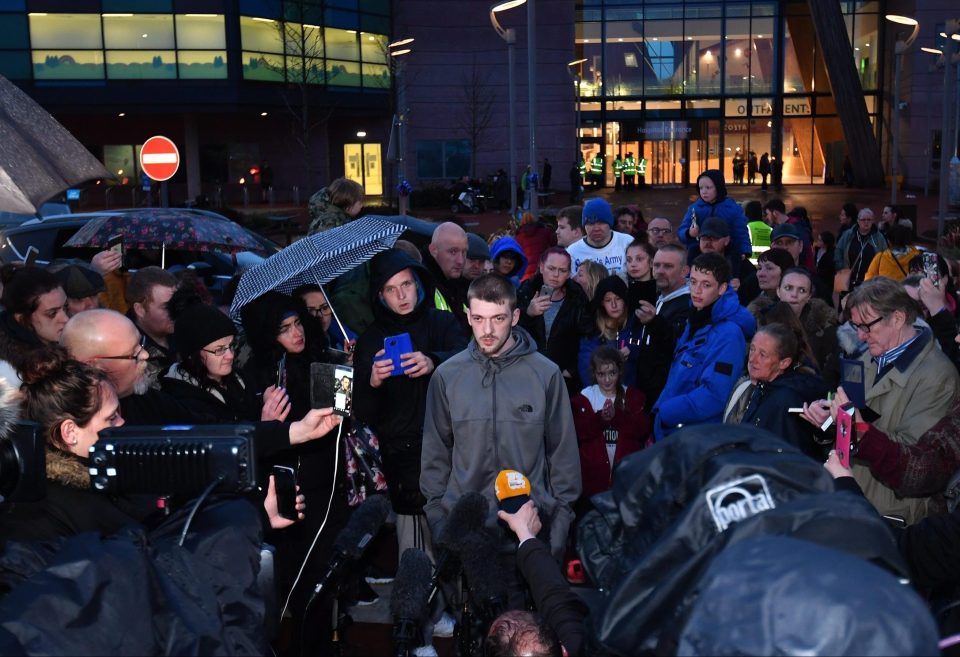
(617, 167)
(583, 167)
(630, 166)
(596, 165)
(643, 166)
(440, 302)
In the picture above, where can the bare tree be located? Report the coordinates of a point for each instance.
(476, 110)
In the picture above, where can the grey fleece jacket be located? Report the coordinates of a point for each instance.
(485, 415)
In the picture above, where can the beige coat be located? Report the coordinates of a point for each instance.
(909, 402)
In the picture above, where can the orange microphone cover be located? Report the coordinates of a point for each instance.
(512, 489)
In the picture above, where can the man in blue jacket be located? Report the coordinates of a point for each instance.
(710, 353)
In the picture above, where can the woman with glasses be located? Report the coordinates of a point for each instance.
(204, 379)
(318, 307)
(34, 312)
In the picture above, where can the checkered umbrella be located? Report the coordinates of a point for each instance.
(317, 259)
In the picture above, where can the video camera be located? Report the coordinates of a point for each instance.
(23, 476)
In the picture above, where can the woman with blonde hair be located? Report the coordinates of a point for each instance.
(588, 276)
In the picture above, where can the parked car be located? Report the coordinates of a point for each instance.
(48, 235)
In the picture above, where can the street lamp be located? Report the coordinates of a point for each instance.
(578, 79)
(510, 36)
(899, 50)
(396, 51)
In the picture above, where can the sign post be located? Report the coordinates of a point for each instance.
(160, 160)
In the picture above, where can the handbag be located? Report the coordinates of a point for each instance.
(364, 465)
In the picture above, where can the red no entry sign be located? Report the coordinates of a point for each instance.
(159, 158)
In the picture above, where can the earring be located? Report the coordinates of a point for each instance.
(72, 443)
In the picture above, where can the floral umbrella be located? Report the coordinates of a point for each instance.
(177, 229)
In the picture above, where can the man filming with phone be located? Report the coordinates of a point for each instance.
(391, 383)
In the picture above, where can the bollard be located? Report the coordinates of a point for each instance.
(296, 195)
(246, 196)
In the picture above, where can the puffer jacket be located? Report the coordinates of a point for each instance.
(723, 207)
(705, 367)
(485, 415)
(890, 264)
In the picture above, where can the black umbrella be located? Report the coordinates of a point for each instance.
(39, 158)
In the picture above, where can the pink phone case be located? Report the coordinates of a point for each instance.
(844, 433)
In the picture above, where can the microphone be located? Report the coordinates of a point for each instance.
(408, 602)
(512, 489)
(352, 540)
(467, 516)
(485, 577)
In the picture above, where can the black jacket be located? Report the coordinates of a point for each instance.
(573, 321)
(453, 291)
(70, 507)
(154, 407)
(396, 409)
(657, 344)
(562, 609)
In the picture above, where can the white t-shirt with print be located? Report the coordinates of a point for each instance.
(612, 256)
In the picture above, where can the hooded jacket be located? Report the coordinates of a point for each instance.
(723, 207)
(485, 415)
(705, 367)
(629, 336)
(508, 244)
(395, 410)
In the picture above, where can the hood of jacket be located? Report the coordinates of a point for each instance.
(523, 344)
(322, 204)
(387, 264)
(505, 244)
(67, 469)
(717, 177)
(728, 308)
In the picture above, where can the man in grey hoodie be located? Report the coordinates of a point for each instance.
(499, 405)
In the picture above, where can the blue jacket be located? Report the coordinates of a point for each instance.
(728, 210)
(631, 335)
(705, 367)
(509, 244)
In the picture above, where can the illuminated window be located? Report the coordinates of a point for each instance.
(66, 31)
(376, 76)
(141, 65)
(261, 34)
(262, 66)
(202, 64)
(343, 74)
(342, 44)
(303, 40)
(138, 32)
(373, 48)
(68, 64)
(200, 32)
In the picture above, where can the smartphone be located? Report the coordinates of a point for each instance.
(115, 244)
(931, 268)
(343, 390)
(285, 482)
(546, 291)
(30, 259)
(393, 347)
(282, 372)
(844, 434)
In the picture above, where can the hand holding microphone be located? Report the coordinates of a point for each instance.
(525, 523)
(512, 489)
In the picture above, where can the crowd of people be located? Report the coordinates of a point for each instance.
(555, 352)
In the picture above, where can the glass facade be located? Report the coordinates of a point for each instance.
(690, 85)
(340, 44)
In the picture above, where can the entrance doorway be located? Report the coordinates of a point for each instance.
(362, 164)
(664, 161)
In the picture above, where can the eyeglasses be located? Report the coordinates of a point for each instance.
(316, 311)
(219, 352)
(659, 231)
(134, 356)
(865, 328)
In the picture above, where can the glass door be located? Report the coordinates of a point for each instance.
(362, 163)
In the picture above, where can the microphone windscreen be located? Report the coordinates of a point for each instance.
(365, 521)
(512, 489)
(411, 588)
(468, 514)
(482, 567)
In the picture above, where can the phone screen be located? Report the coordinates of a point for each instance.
(285, 481)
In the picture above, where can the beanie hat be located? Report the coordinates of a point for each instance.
(595, 210)
(199, 325)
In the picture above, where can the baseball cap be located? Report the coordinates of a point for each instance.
(785, 230)
(477, 248)
(714, 227)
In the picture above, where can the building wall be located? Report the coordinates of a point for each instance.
(454, 39)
